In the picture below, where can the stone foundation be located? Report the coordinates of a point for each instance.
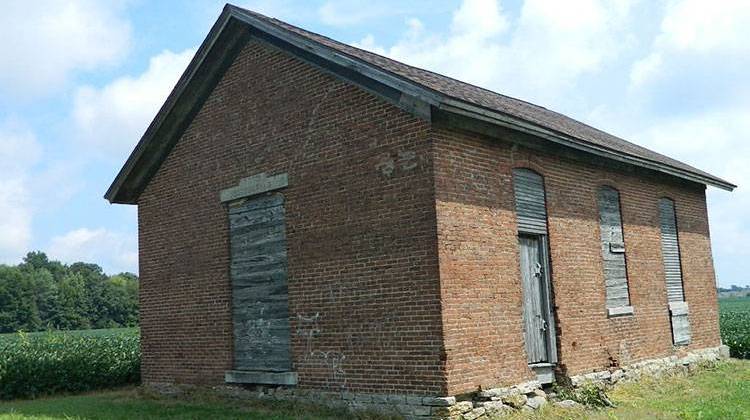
(653, 367)
(479, 405)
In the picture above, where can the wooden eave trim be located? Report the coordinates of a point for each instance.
(341, 58)
(475, 112)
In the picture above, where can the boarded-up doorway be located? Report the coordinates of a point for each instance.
(258, 272)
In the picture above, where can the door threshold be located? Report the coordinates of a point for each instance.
(260, 377)
(541, 364)
(545, 372)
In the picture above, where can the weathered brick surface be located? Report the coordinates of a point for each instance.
(403, 260)
(360, 231)
(480, 281)
(479, 269)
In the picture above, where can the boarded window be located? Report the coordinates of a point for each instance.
(260, 305)
(531, 212)
(613, 248)
(670, 249)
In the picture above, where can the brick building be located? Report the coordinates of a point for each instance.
(315, 215)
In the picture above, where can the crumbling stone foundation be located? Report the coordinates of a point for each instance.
(483, 404)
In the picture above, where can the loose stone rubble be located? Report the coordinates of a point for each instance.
(484, 404)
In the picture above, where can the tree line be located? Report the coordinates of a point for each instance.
(39, 294)
(734, 288)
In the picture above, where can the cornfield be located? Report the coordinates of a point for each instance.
(734, 322)
(47, 363)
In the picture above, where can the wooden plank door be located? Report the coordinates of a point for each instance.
(535, 317)
(260, 304)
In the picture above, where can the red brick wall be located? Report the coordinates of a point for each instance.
(360, 221)
(479, 270)
(480, 279)
(402, 243)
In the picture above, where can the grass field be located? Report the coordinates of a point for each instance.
(37, 364)
(734, 321)
(715, 393)
(130, 404)
(77, 333)
(733, 304)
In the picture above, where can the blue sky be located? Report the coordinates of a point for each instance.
(80, 81)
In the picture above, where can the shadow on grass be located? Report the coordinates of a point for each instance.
(718, 392)
(131, 403)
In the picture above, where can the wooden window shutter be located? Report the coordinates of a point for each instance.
(670, 249)
(531, 211)
(613, 249)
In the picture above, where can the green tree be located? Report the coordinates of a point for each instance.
(38, 260)
(119, 302)
(73, 304)
(46, 296)
(18, 309)
(43, 294)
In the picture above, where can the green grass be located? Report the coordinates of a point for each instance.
(130, 404)
(719, 392)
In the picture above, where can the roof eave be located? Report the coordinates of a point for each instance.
(504, 120)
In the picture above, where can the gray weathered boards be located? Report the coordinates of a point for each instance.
(531, 210)
(531, 215)
(536, 301)
(260, 305)
(670, 249)
(613, 248)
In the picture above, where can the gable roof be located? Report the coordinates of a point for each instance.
(385, 76)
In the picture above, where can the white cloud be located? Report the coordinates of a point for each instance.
(112, 119)
(19, 153)
(43, 42)
(701, 51)
(114, 251)
(704, 26)
(479, 18)
(645, 69)
(470, 51)
(538, 56)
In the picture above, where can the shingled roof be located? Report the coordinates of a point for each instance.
(436, 90)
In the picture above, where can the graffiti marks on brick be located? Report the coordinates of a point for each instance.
(386, 165)
(334, 361)
(308, 328)
(404, 161)
(407, 160)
